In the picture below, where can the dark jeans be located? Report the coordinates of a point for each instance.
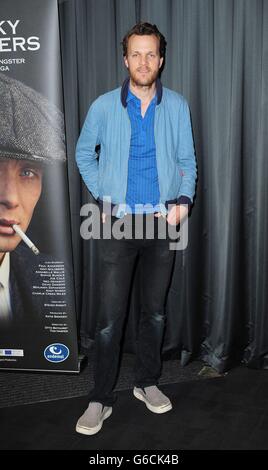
(117, 262)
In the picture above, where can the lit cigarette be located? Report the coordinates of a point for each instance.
(27, 240)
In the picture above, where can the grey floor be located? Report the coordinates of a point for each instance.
(219, 413)
(19, 388)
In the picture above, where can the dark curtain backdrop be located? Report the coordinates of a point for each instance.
(217, 57)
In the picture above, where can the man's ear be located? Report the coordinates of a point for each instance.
(126, 61)
(161, 62)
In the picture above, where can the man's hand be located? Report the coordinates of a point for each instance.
(176, 214)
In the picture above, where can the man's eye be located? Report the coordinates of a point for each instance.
(28, 173)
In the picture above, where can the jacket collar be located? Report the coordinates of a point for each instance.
(124, 91)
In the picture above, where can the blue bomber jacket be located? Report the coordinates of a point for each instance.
(107, 124)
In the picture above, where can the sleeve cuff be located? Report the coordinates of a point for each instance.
(184, 200)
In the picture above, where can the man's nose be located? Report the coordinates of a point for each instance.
(143, 60)
(9, 195)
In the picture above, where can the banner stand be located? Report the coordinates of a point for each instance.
(38, 326)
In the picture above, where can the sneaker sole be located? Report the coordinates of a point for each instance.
(154, 409)
(91, 431)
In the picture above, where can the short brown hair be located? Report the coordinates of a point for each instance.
(142, 29)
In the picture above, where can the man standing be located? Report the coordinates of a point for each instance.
(147, 169)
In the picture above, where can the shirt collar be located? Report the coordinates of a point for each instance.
(131, 96)
(4, 271)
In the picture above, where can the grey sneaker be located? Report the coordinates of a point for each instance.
(91, 421)
(153, 398)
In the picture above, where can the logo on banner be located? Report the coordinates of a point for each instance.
(56, 352)
(12, 352)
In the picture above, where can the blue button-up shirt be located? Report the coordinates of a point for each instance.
(142, 183)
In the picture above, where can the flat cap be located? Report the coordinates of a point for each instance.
(31, 128)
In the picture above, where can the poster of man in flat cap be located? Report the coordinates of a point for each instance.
(37, 305)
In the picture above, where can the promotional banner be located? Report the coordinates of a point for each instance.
(37, 304)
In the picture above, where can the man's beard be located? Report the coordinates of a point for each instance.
(146, 80)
